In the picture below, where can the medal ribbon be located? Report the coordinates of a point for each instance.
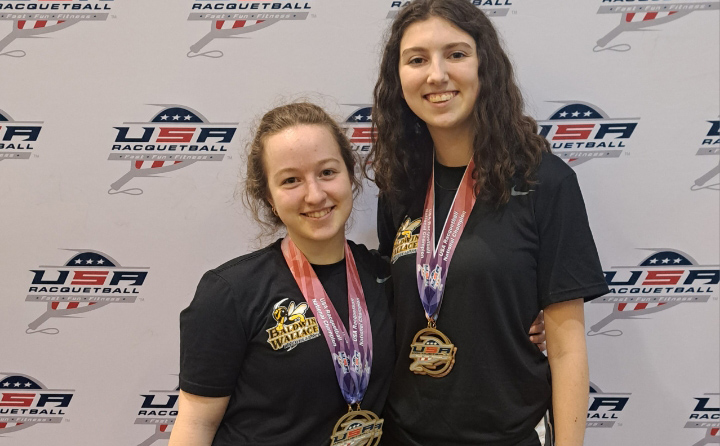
(433, 261)
(351, 352)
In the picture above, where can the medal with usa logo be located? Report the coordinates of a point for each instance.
(431, 350)
(351, 349)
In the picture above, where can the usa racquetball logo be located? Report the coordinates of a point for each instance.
(491, 8)
(231, 18)
(158, 409)
(580, 131)
(17, 138)
(710, 148)
(661, 281)
(27, 402)
(172, 139)
(705, 416)
(358, 128)
(605, 409)
(89, 280)
(35, 18)
(634, 16)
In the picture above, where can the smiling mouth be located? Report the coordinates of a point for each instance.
(441, 97)
(318, 214)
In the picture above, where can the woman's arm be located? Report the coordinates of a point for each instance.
(197, 420)
(567, 354)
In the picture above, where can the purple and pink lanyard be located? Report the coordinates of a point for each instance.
(351, 352)
(433, 261)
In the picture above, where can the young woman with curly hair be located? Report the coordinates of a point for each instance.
(484, 228)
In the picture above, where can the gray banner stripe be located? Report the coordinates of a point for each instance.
(698, 6)
(249, 16)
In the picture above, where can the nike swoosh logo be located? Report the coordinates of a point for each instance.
(515, 193)
(379, 280)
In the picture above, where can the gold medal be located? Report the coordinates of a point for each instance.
(357, 428)
(432, 352)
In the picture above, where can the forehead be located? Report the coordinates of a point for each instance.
(298, 146)
(434, 32)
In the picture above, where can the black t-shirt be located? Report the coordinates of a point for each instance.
(279, 374)
(509, 264)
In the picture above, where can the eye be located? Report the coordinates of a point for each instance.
(328, 172)
(415, 60)
(291, 180)
(457, 55)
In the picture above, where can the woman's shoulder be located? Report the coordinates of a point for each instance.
(553, 167)
(551, 173)
(252, 264)
(377, 264)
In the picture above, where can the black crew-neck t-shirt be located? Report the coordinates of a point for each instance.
(510, 262)
(281, 382)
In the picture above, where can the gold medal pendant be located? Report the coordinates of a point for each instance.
(432, 352)
(357, 428)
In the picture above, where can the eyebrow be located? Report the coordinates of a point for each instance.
(449, 45)
(287, 170)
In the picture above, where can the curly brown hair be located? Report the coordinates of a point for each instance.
(273, 122)
(506, 144)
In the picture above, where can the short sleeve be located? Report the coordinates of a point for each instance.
(568, 263)
(212, 340)
(386, 227)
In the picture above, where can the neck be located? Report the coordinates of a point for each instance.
(321, 253)
(453, 148)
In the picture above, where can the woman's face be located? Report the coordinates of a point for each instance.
(309, 184)
(439, 73)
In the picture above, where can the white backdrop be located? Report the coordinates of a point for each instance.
(94, 270)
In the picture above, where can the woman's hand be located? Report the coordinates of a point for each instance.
(198, 419)
(537, 332)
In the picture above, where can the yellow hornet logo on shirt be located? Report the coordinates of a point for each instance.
(292, 326)
(405, 241)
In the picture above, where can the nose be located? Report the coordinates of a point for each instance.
(315, 194)
(437, 73)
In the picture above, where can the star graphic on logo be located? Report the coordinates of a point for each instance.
(100, 262)
(188, 117)
(6, 384)
(653, 261)
(176, 118)
(358, 117)
(563, 114)
(164, 117)
(78, 261)
(587, 113)
(89, 262)
(575, 114)
(666, 260)
(678, 260)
